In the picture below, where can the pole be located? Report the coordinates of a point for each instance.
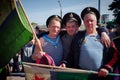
(34, 34)
(99, 10)
(60, 8)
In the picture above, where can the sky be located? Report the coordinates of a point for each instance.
(39, 10)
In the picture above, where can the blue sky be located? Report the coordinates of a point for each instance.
(39, 10)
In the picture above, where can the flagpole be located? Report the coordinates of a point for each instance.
(56, 67)
(61, 69)
(60, 8)
(34, 34)
(99, 9)
(47, 59)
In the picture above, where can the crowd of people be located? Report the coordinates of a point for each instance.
(90, 49)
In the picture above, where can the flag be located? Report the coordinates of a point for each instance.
(40, 72)
(46, 72)
(15, 30)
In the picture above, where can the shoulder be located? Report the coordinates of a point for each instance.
(42, 33)
(81, 33)
(62, 33)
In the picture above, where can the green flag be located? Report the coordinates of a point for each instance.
(71, 76)
(15, 30)
(38, 72)
(46, 72)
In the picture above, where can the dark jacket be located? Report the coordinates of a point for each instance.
(109, 55)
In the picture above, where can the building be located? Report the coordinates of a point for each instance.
(104, 18)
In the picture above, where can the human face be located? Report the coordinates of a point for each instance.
(71, 28)
(110, 30)
(90, 22)
(54, 28)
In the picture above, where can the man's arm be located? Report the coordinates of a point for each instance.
(104, 36)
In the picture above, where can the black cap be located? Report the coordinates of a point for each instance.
(117, 21)
(51, 17)
(90, 10)
(71, 15)
(110, 26)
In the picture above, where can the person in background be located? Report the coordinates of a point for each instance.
(51, 42)
(115, 36)
(37, 30)
(110, 27)
(88, 52)
(16, 63)
(27, 51)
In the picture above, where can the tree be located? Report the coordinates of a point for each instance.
(34, 24)
(115, 7)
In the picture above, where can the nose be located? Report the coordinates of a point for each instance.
(90, 22)
(56, 29)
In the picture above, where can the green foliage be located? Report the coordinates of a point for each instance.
(115, 7)
(34, 24)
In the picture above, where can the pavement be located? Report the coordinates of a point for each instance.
(16, 76)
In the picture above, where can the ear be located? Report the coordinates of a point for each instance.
(48, 26)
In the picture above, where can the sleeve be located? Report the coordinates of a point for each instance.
(109, 66)
(42, 33)
(101, 29)
(70, 57)
(74, 52)
(27, 54)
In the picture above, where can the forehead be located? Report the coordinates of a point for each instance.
(71, 23)
(90, 16)
(54, 23)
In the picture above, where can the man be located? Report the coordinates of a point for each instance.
(71, 22)
(87, 52)
(110, 27)
(51, 42)
(115, 36)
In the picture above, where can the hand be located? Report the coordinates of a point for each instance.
(32, 41)
(103, 72)
(40, 54)
(63, 65)
(105, 39)
(35, 56)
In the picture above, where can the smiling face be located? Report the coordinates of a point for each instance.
(54, 27)
(90, 22)
(71, 27)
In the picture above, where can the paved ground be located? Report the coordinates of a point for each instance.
(15, 78)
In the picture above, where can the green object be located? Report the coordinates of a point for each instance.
(15, 30)
(71, 76)
(1, 69)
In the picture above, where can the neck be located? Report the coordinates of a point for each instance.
(52, 36)
(91, 32)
